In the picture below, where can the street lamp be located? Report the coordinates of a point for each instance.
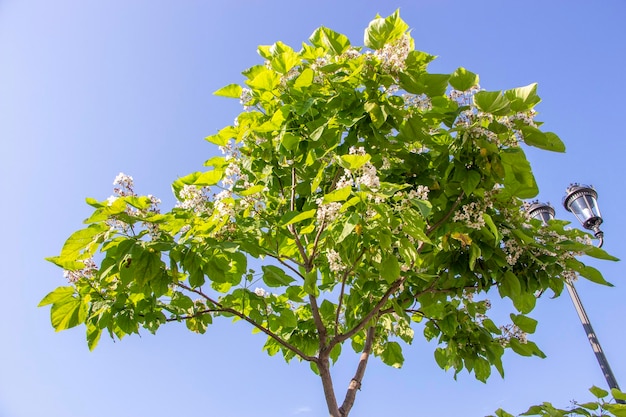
(583, 202)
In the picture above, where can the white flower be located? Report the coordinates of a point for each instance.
(193, 198)
(123, 180)
(327, 212)
(369, 177)
(260, 292)
(393, 55)
(111, 200)
(334, 261)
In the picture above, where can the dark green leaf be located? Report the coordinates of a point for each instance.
(390, 269)
(548, 141)
(273, 276)
(526, 324)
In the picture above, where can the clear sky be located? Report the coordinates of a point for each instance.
(92, 88)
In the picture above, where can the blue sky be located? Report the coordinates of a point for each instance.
(89, 89)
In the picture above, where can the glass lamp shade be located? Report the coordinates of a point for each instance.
(541, 211)
(582, 200)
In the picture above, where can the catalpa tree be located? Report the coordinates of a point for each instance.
(359, 198)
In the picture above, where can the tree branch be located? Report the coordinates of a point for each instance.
(343, 287)
(373, 312)
(291, 227)
(355, 383)
(268, 332)
(321, 329)
(448, 214)
(282, 261)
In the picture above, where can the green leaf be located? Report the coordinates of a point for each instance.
(470, 181)
(338, 195)
(285, 61)
(305, 79)
(598, 392)
(93, 336)
(510, 285)
(482, 369)
(407, 251)
(589, 272)
(618, 410)
(354, 162)
(67, 313)
(252, 190)
(433, 85)
(390, 269)
(392, 354)
(59, 295)
(618, 395)
(598, 253)
(223, 136)
(265, 80)
(273, 276)
(524, 302)
(523, 98)
(384, 30)
(293, 217)
(548, 140)
(334, 42)
(518, 177)
(80, 240)
(376, 113)
(441, 358)
(290, 141)
(501, 413)
(526, 324)
(231, 90)
(348, 227)
(493, 102)
(463, 80)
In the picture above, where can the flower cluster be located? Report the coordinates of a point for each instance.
(367, 175)
(417, 101)
(513, 251)
(393, 55)
(245, 99)
(334, 261)
(471, 214)
(326, 213)
(511, 331)
(124, 186)
(88, 271)
(194, 198)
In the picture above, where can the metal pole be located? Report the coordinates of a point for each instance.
(593, 339)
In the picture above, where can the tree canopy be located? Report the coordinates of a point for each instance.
(359, 198)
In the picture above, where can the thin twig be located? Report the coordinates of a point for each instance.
(448, 214)
(343, 286)
(244, 317)
(291, 227)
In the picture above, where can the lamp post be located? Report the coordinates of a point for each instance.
(583, 202)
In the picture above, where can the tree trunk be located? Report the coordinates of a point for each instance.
(323, 364)
(355, 384)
